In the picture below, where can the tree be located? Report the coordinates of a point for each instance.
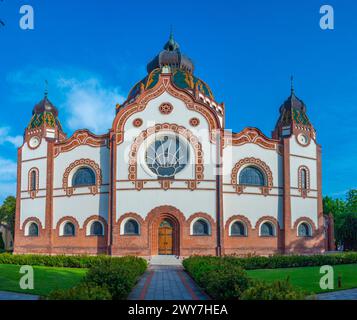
(7, 213)
(345, 218)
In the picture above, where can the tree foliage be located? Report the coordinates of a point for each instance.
(7, 213)
(345, 218)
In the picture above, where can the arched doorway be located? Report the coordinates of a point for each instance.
(166, 237)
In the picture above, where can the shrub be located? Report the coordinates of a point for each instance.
(107, 279)
(118, 277)
(83, 291)
(278, 290)
(225, 283)
(76, 261)
(220, 279)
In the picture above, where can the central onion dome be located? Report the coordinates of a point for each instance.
(181, 68)
(171, 56)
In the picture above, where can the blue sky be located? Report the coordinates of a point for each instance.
(93, 52)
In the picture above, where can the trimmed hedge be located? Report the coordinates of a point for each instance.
(225, 277)
(77, 261)
(277, 261)
(111, 279)
(223, 280)
(278, 290)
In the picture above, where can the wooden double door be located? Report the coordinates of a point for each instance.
(166, 241)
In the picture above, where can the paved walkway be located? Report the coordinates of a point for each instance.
(4, 295)
(166, 280)
(350, 294)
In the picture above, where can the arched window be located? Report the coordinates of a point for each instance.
(251, 176)
(131, 227)
(200, 228)
(33, 181)
(96, 229)
(303, 179)
(83, 177)
(267, 229)
(33, 230)
(69, 229)
(238, 229)
(304, 230)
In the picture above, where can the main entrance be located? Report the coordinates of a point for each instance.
(165, 237)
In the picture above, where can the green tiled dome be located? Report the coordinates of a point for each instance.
(44, 113)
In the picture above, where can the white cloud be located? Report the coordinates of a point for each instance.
(16, 141)
(83, 99)
(89, 104)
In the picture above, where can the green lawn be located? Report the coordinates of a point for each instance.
(46, 279)
(308, 278)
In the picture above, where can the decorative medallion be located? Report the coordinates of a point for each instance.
(166, 108)
(194, 122)
(137, 122)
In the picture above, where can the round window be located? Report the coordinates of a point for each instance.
(167, 156)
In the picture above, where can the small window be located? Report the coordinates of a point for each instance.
(200, 228)
(131, 227)
(33, 183)
(267, 230)
(96, 229)
(304, 230)
(83, 177)
(69, 229)
(33, 230)
(238, 229)
(251, 176)
(303, 179)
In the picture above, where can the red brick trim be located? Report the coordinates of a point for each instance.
(165, 183)
(67, 219)
(31, 192)
(308, 221)
(29, 220)
(257, 163)
(251, 135)
(304, 191)
(204, 216)
(153, 219)
(94, 218)
(270, 219)
(130, 215)
(81, 137)
(164, 84)
(240, 218)
(67, 186)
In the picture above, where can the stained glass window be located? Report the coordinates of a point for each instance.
(83, 177)
(251, 176)
(167, 156)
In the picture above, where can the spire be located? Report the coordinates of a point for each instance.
(46, 89)
(171, 45)
(292, 85)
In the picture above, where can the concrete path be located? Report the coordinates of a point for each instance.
(5, 295)
(165, 279)
(350, 294)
